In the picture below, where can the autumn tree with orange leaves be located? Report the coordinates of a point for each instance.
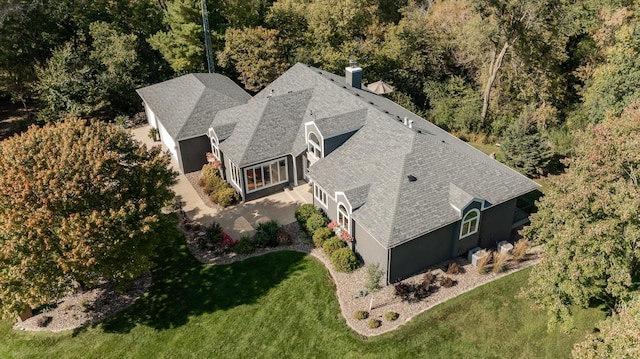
(78, 202)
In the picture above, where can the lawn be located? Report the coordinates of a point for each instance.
(282, 305)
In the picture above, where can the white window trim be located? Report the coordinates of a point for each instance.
(346, 214)
(464, 221)
(215, 144)
(320, 195)
(312, 144)
(235, 175)
(260, 167)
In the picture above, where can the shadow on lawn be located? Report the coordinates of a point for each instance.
(183, 287)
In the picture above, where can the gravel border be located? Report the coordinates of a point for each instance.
(86, 307)
(348, 285)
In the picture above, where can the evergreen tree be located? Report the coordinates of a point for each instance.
(525, 148)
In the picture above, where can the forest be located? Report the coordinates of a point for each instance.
(555, 82)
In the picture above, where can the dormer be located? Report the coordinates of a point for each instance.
(325, 134)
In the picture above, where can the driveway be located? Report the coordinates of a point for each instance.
(240, 219)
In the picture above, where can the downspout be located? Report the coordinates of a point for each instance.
(388, 265)
(295, 171)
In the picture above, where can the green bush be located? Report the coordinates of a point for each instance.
(321, 235)
(245, 245)
(214, 232)
(331, 245)
(374, 323)
(267, 234)
(344, 260)
(391, 316)
(374, 274)
(227, 196)
(209, 171)
(315, 222)
(361, 314)
(303, 213)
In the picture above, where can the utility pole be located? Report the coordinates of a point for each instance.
(207, 36)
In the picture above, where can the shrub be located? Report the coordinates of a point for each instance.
(227, 242)
(303, 213)
(447, 282)
(520, 250)
(267, 234)
(361, 314)
(331, 245)
(44, 321)
(283, 238)
(344, 260)
(214, 232)
(454, 268)
(429, 278)
(374, 323)
(482, 263)
(374, 274)
(321, 235)
(209, 171)
(314, 222)
(227, 196)
(404, 290)
(422, 291)
(391, 316)
(500, 262)
(245, 245)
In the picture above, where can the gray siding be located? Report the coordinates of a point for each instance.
(369, 249)
(192, 153)
(495, 224)
(334, 142)
(416, 255)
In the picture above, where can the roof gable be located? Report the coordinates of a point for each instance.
(186, 105)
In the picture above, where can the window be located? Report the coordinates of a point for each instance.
(320, 195)
(314, 146)
(214, 144)
(235, 174)
(266, 175)
(343, 217)
(469, 223)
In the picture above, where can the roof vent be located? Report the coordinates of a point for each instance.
(371, 103)
(443, 141)
(419, 131)
(412, 178)
(331, 80)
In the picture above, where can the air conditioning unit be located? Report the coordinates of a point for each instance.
(505, 247)
(471, 252)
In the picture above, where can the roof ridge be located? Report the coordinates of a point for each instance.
(255, 126)
(397, 191)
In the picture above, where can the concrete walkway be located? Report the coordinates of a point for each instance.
(240, 219)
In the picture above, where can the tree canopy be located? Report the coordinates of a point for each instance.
(78, 202)
(588, 222)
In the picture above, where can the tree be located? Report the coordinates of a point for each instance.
(588, 222)
(257, 54)
(90, 76)
(618, 336)
(525, 148)
(78, 202)
(613, 82)
(183, 44)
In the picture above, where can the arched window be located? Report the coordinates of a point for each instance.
(470, 223)
(314, 145)
(343, 217)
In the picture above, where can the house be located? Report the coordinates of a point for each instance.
(410, 194)
(181, 110)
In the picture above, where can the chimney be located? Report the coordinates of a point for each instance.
(410, 123)
(353, 74)
(405, 121)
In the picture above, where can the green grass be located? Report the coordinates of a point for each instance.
(282, 305)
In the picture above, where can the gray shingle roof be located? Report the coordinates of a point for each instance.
(265, 128)
(384, 152)
(186, 105)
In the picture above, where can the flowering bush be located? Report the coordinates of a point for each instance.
(217, 164)
(345, 236)
(332, 225)
(227, 241)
